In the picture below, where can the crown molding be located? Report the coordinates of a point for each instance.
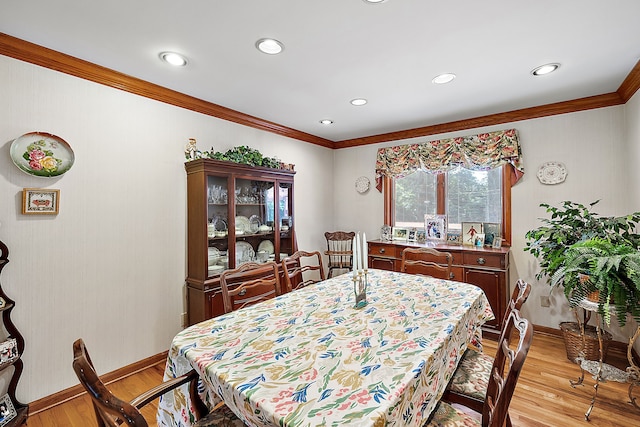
(44, 57)
(631, 84)
(589, 103)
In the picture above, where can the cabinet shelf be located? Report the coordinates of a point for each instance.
(22, 410)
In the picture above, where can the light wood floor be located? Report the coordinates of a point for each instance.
(543, 397)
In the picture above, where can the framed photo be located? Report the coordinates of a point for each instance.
(399, 233)
(454, 238)
(436, 227)
(421, 236)
(497, 243)
(478, 240)
(469, 231)
(492, 230)
(7, 410)
(411, 237)
(40, 201)
(8, 351)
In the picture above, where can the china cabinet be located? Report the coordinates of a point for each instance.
(235, 214)
(11, 350)
(486, 268)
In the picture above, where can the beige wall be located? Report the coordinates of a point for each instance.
(110, 267)
(592, 145)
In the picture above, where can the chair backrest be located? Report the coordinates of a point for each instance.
(510, 357)
(339, 250)
(427, 261)
(297, 266)
(108, 408)
(249, 284)
(519, 296)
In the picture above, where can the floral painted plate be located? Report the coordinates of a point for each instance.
(42, 154)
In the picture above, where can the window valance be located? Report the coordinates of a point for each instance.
(482, 151)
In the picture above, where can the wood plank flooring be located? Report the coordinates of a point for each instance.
(543, 397)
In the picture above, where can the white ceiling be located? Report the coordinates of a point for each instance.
(337, 50)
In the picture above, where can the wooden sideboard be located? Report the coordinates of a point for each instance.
(486, 268)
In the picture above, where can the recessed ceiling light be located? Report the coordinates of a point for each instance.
(443, 78)
(358, 101)
(269, 46)
(375, 1)
(173, 58)
(326, 121)
(545, 69)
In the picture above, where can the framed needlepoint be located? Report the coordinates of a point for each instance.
(40, 201)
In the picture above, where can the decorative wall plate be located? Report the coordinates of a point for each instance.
(42, 154)
(552, 173)
(362, 184)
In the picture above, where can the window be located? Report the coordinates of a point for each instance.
(463, 195)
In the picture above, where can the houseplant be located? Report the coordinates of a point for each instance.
(582, 251)
(612, 271)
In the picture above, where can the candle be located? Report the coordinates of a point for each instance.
(356, 255)
(365, 251)
(354, 248)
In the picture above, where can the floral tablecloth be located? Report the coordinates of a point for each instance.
(308, 358)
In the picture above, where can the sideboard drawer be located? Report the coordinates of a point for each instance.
(483, 259)
(384, 250)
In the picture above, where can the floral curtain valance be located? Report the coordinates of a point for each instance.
(482, 151)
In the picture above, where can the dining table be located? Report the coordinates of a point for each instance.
(312, 358)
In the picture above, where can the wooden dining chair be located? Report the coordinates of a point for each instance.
(470, 381)
(427, 261)
(302, 269)
(504, 373)
(112, 412)
(339, 250)
(249, 284)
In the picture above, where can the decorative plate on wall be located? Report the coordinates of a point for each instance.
(42, 154)
(362, 184)
(552, 173)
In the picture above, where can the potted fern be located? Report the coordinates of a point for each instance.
(581, 251)
(610, 271)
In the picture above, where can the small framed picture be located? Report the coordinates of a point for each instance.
(469, 231)
(399, 233)
(478, 240)
(454, 238)
(8, 351)
(40, 201)
(492, 230)
(421, 236)
(7, 410)
(436, 227)
(411, 237)
(497, 243)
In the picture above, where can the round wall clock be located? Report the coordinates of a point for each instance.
(362, 184)
(552, 173)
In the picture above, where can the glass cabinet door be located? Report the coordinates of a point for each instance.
(285, 215)
(254, 221)
(217, 224)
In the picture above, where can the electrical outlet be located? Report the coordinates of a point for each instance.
(544, 301)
